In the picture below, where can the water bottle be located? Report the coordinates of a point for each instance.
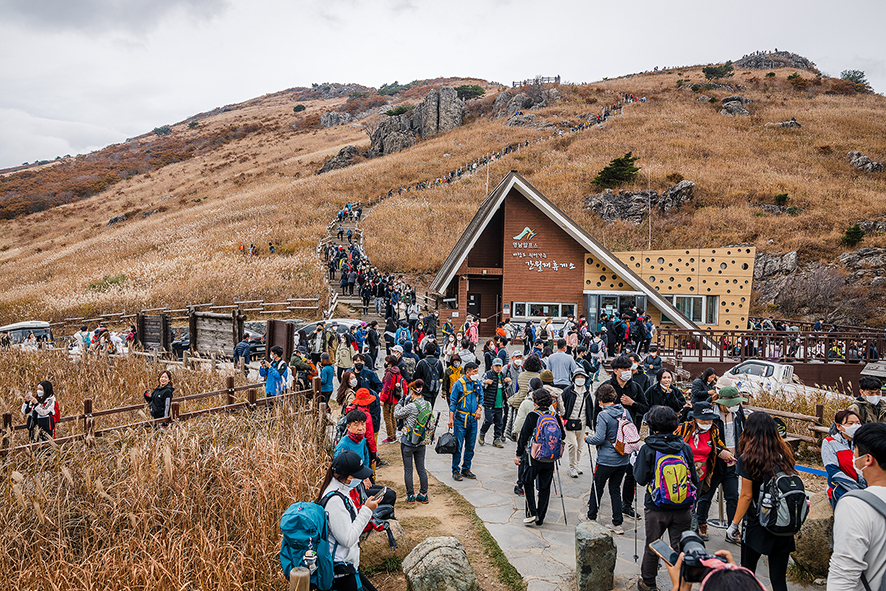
(766, 505)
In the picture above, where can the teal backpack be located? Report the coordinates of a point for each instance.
(306, 540)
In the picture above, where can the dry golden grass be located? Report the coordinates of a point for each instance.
(194, 507)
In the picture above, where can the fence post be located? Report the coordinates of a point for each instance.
(7, 431)
(229, 384)
(174, 409)
(251, 397)
(315, 385)
(184, 360)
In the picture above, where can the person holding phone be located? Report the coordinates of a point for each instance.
(346, 523)
(42, 412)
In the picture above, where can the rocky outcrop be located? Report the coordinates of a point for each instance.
(735, 97)
(439, 112)
(343, 159)
(632, 206)
(500, 105)
(334, 119)
(774, 60)
(864, 258)
(771, 265)
(392, 135)
(734, 108)
(529, 120)
(709, 86)
(440, 564)
(813, 543)
(872, 226)
(863, 163)
(116, 219)
(703, 98)
(790, 123)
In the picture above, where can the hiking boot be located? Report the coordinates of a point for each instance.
(497, 443)
(469, 474)
(423, 499)
(456, 476)
(518, 490)
(703, 531)
(482, 439)
(641, 586)
(410, 499)
(573, 473)
(617, 529)
(629, 512)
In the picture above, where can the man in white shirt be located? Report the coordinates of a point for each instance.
(859, 559)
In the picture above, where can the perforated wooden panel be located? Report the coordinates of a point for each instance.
(599, 277)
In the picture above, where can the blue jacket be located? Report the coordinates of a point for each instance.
(605, 434)
(274, 382)
(327, 374)
(465, 399)
(369, 379)
(361, 448)
(242, 350)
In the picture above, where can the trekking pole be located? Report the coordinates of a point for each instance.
(562, 502)
(593, 480)
(636, 524)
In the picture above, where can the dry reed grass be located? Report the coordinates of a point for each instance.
(194, 507)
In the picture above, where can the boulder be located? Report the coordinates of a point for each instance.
(872, 226)
(424, 117)
(813, 542)
(392, 135)
(770, 265)
(864, 259)
(116, 219)
(334, 119)
(375, 550)
(790, 123)
(703, 97)
(863, 163)
(500, 105)
(521, 102)
(675, 196)
(734, 108)
(451, 112)
(439, 564)
(736, 97)
(343, 159)
(594, 557)
(632, 206)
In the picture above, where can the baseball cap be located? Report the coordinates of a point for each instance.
(348, 462)
(703, 411)
(497, 361)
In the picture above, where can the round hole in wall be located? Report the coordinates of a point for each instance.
(691, 288)
(614, 277)
(735, 281)
(692, 269)
(637, 265)
(719, 272)
(744, 266)
(679, 285)
(709, 269)
(704, 280)
(727, 310)
(713, 252)
(709, 289)
(656, 288)
(749, 252)
(691, 260)
(599, 284)
(590, 261)
(670, 264)
(602, 277)
(588, 282)
(716, 283)
(742, 299)
(728, 252)
(727, 322)
(722, 303)
(632, 258)
(670, 287)
(647, 259)
(671, 279)
(661, 260)
(651, 278)
(728, 291)
(679, 260)
(687, 252)
(723, 266)
(746, 282)
(621, 284)
(597, 265)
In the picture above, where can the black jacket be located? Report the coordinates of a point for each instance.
(652, 364)
(490, 391)
(738, 419)
(673, 398)
(160, 400)
(632, 390)
(642, 380)
(423, 373)
(372, 338)
(644, 468)
(570, 399)
(700, 391)
(528, 430)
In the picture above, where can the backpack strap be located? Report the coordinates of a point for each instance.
(879, 506)
(347, 502)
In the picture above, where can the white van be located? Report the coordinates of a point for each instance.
(20, 331)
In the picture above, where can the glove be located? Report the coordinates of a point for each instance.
(732, 530)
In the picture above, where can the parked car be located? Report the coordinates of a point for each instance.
(19, 331)
(256, 344)
(757, 376)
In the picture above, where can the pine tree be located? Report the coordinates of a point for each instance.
(620, 170)
(852, 236)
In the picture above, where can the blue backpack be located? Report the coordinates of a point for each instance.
(305, 533)
(546, 445)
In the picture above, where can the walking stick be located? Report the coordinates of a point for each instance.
(594, 480)
(636, 524)
(562, 502)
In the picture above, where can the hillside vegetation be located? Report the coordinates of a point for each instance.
(185, 220)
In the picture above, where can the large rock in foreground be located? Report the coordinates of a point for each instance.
(814, 540)
(439, 112)
(440, 564)
(594, 557)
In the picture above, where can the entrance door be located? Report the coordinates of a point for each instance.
(474, 304)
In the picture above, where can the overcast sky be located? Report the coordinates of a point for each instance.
(76, 75)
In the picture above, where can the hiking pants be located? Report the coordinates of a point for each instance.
(510, 415)
(416, 452)
(614, 475)
(349, 583)
(390, 423)
(466, 437)
(575, 441)
(379, 305)
(523, 470)
(431, 398)
(540, 475)
(726, 476)
(657, 522)
(629, 489)
(778, 565)
(492, 417)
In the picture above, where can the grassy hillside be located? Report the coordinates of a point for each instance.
(260, 188)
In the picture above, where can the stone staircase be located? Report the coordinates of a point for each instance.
(352, 302)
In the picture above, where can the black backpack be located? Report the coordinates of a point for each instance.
(432, 384)
(638, 331)
(781, 505)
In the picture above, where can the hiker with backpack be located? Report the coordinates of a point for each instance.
(430, 372)
(512, 371)
(465, 409)
(578, 410)
(859, 558)
(870, 405)
(347, 390)
(418, 418)
(496, 389)
(451, 375)
(542, 434)
(327, 376)
(665, 464)
(714, 464)
(394, 387)
(612, 464)
(837, 456)
(43, 412)
(772, 502)
(159, 400)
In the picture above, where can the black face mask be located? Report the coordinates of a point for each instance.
(358, 367)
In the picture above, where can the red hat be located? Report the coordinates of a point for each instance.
(364, 397)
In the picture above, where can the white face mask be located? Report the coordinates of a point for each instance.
(849, 430)
(518, 362)
(634, 366)
(579, 382)
(704, 428)
(873, 399)
(353, 382)
(625, 375)
(354, 483)
(859, 471)
(733, 409)
(457, 364)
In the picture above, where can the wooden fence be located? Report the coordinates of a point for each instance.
(816, 423)
(86, 421)
(537, 80)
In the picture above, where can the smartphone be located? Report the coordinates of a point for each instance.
(664, 551)
(380, 494)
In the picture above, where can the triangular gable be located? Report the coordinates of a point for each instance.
(490, 205)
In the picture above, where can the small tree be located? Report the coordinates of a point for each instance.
(781, 199)
(163, 130)
(298, 108)
(714, 72)
(856, 76)
(193, 124)
(852, 236)
(469, 91)
(619, 170)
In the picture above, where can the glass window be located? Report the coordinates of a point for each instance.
(544, 310)
(753, 369)
(690, 306)
(519, 309)
(567, 309)
(711, 309)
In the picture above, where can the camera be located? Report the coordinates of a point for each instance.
(694, 552)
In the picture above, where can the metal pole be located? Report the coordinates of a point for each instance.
(649, 203)
(488, 162)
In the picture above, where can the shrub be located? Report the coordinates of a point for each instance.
(163, 130)
(715, 72)
(298, 108)
(674, 177)
(469, 91)
(193, 124)
(399, 110)
(799, 83)
(108, 282)
(781, 199)
(852, 236)
(391, 89)
(713, 100)
(793, 76)
(854, 76)
(619, 170)
(770, 74)
(358, 94)
(695, 87)
(843, 87)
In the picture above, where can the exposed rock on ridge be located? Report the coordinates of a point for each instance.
(632, 205)
(862, 162)
(774, 60)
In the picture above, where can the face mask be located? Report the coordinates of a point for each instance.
(518, 362)
(354, 483)
(873, 399)
(353, 382)
(704, 428)
(733, 409)
(358, 367)
(850, 430)
(579, 382)
(625, 375)
(356, 437)
(634, 366)
(858, 470)
(457, 364)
